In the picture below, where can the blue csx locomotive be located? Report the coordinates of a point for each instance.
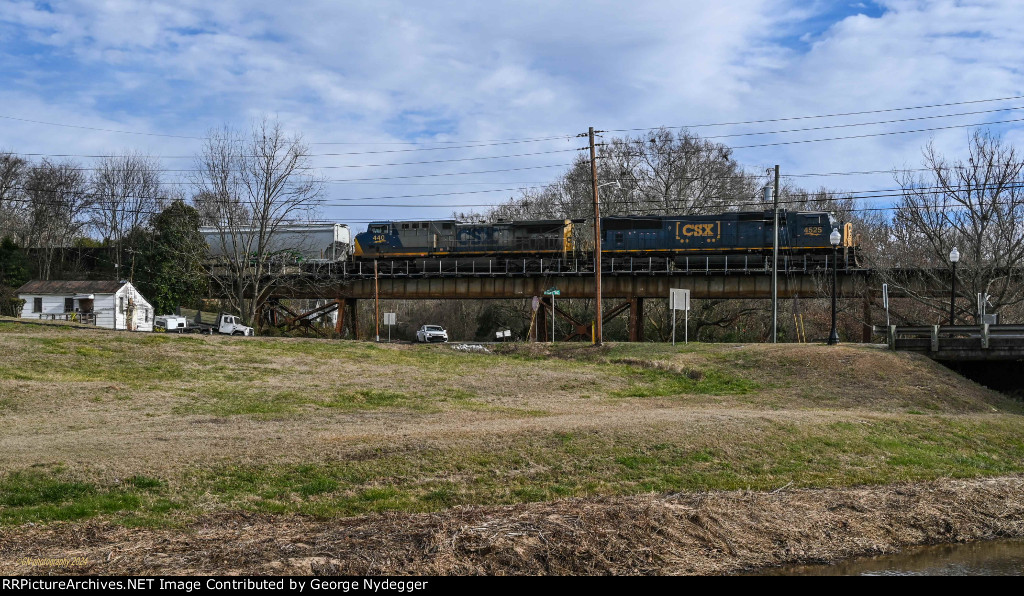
(672, 237)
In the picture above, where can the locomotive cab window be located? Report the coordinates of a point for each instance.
(377, 229)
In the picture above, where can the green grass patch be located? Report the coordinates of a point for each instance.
(41, 496)
(653, 382)
(365, 399)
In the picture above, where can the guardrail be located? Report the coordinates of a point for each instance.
(938, 338)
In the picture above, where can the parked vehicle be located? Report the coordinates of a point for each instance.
(170, 324)
(431, 333)
(231, 325)
(226, 325)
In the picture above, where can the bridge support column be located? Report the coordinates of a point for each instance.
(636, 319)
(339, 324)
(542, 327)
(347, 310)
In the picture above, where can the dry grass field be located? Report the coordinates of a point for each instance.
(158, 431)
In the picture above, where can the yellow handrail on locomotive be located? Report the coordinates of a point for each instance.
(567, 247)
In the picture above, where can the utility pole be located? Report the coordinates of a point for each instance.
(775, 261)
(376, 300)
(599, 335)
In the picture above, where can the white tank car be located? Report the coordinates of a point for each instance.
(316, 243)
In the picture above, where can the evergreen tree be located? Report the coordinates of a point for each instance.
(169, 259)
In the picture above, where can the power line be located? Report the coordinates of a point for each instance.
(388, 151)
(343, 154)
(879, 134)
(836, 115)
(773, 132)
(378, 165)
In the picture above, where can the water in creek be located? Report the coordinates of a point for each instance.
(996, 557)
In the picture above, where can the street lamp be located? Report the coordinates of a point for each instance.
(954, 256)
(834, 238)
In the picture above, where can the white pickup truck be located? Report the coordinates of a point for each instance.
(431, 333)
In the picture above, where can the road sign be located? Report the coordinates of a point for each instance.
(679, 299)
(885, 303)
(553, 292)
(390, 318)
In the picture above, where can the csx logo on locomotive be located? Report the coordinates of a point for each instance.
(701, 230)
(475, 236)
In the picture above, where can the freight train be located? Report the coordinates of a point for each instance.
(671, 240)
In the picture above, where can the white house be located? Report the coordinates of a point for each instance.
(109, 304)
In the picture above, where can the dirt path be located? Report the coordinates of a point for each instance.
(707, 533)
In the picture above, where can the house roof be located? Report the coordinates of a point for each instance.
(71, 287)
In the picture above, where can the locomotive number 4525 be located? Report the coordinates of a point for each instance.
(813, 230)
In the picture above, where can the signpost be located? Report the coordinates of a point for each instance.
(390, 319)
(680, 300)
(552, 292)
(885, 303)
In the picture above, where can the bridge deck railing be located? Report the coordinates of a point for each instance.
(455, 267)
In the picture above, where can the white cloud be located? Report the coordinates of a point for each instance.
(388, 70)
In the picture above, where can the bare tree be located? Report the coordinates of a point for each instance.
(975, 205)
(246, 189)
(12, 174)
(668, 173)
(57, 205)
(126, 193)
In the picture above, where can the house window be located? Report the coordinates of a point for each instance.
(37, 304)
(69, 305)
(120, 304)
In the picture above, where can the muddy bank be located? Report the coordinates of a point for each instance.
(708, 533)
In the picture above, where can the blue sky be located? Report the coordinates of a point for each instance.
(371, 75)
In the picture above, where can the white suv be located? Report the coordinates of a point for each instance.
(429, 333)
